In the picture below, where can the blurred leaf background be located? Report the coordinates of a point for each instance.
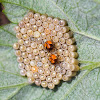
(83, 17)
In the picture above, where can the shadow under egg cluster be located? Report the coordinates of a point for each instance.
(34, 58)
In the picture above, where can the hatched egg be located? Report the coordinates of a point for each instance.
(36, 34)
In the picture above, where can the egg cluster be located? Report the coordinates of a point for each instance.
(33, 57)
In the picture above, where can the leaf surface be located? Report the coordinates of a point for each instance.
(83, 17)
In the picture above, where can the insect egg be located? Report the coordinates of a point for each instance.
(46, 50)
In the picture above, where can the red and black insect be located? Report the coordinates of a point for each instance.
(48, 45)
(53, 58)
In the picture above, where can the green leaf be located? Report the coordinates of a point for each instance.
(83, 17)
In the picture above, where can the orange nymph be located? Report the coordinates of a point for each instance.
(48, 45)
(53, 58)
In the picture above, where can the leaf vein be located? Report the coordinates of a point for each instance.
(73, 86)
(79, 31)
